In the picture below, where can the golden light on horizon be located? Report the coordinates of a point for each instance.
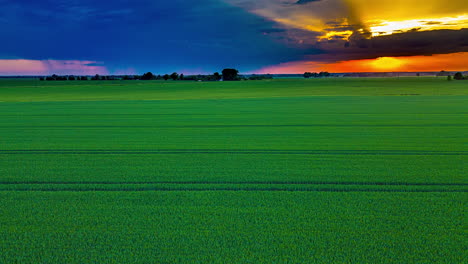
(386, 63)
(449, 62)
(434, 63)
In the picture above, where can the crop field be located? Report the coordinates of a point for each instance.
(280, 171)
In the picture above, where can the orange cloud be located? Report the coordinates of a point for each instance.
(448, 62)
(48, 67)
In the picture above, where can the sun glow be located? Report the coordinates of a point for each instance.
(386, 63)
(434, 63)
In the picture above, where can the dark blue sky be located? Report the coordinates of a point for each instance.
(144, 35)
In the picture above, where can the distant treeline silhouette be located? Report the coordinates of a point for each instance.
(308, 75)
(226, 75)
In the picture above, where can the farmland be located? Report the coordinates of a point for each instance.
(277, 171)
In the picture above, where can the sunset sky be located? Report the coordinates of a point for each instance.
(255, 36)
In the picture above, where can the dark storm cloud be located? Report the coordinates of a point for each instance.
(410, 43)
(303, 2)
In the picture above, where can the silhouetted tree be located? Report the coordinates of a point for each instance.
(449, 77)
(324, 74)
(147, 76)
(181, 76)
(230, 75)
(71, 78)
(174, 76)
(217, 76)
(458, 76)
(307, 75)
(443, 73)
(255, 77)
(166, 77)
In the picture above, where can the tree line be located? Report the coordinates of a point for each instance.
(226, 75)
(457, 76)
(308, 75)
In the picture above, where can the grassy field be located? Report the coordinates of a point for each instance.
(280, 171)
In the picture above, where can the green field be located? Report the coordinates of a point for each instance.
(281, 171)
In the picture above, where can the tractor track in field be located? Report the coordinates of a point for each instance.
(233, 189)
(234, 126)
(231, 151)
(35, 186)
(231, 182)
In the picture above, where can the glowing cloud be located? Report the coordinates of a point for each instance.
(389, 27)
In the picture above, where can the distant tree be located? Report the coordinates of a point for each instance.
(96, 77)
(174, 76)
(458, 76)
(166, 77)
(147, 76)
(181, 76)
(316, 75)
(84, 78)
(217, 76)
(324, 74)
(449, 77)
(41, 78)
(230, 75)
(71, 78)
(418, 74)
(255, 77)
(443, 73)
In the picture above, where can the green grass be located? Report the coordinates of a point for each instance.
(234, 227)
(33, 91)
(282, 171)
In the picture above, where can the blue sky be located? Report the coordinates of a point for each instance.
(143, 35)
